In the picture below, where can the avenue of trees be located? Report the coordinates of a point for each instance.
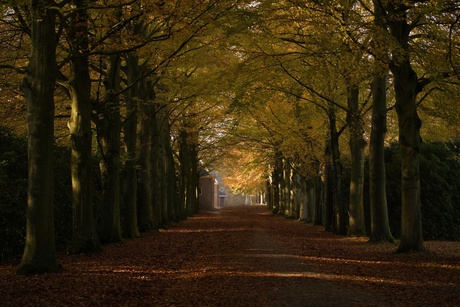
(294, 100)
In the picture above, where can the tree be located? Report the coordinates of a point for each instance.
(38, 86)
(356, 225)
(84, 235)
(380, 228)
(108, 134)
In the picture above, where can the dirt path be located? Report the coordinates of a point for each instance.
(243, 257)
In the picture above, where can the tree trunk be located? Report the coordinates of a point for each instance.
(193, 189)
(38, 86)
(269, 193)
(409, 142)
(340, 226)
(145, 211)
(328, 189)
(170, 167)
(287, 189)
(130, 140)
(189, 177)
(296, 194)
(277, 177)
(407, 86)
(162, 122)
(84, 235)
(319, 195)
(183, 172)
(311, 199)
(380, 227)
(109, 126)
(157, 173)
(356, 224)
(303, 212)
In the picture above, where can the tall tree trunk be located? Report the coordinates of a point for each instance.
(303, 212)
(277, 178)
(170, 167)
(409, 142)
(340, 226)
(84, 234)
(157, 173)
(109, 126)
(193, 188)
(269, 193)
(318, 188)
(407, 86)
(189, 178)
(356, 224)
(296, 194)
(130, 140)
(311, 199)
(145, 209)
(161, 123)
(329, 218)
(380, 227)
(288, 188)
(183, 172)
(38, 86)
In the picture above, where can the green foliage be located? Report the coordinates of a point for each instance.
(440, 190)
(62, 197)
(13, 194)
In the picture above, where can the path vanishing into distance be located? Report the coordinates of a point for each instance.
(243, 256)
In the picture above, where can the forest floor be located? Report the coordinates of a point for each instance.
(244, 256)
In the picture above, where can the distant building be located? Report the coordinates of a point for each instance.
(210, 195)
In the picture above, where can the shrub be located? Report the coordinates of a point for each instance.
(440, 190)
(13, 196)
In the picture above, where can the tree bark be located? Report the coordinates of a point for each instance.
(380, 227)
(145, 209)
(38, 86)
(311, 199)
(84, 235)
(130, 140)
(319, 196)
(407, 86)
(170, 167)
(277, 177)
(340, 219)
(409, 142)
(109, 126)
(356, 225)
(157, 171)
(328, 189)
(303, 212)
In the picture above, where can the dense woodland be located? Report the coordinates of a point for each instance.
(339, 113)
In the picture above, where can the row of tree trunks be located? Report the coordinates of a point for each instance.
(288, 189)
